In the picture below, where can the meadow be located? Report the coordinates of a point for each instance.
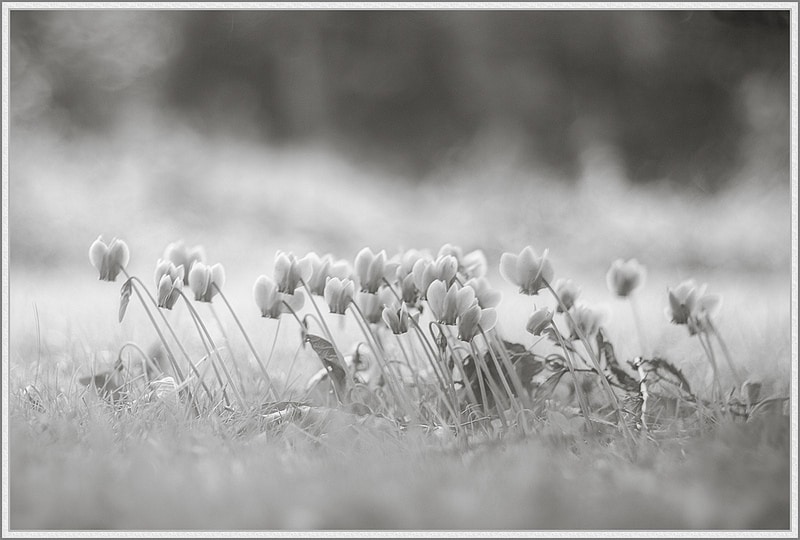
(401, 444)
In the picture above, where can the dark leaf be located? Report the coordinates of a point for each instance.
(329, 356)
(546, 389)
(622, 377)
(124, 297)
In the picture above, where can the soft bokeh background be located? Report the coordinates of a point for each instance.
(660, 135)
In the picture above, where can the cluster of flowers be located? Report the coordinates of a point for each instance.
(392, 289)
(386, 289)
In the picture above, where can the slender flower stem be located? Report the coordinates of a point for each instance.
(481, 367)
(584, 404)
(726, 353)
(439, 388)
(216, 351)
(170, 355)
(509, 365)
(456, 360)
(321, 317)
(380, 355)
(611, 395)
(172, 333)
(226, 341)
(513, 401)
(637, 320)
(209, 355)
(272, 350)
(713, 360)
(267, 379)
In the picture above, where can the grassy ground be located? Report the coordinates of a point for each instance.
(78, 464)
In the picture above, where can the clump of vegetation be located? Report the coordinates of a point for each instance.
(431, 357)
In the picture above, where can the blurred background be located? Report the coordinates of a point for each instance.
(660, 135)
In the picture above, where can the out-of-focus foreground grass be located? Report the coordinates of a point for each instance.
(153, 182)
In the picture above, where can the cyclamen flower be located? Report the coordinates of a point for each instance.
(539, 321)
(371, 305)
(471, 265)
(407, 262)
(588, 319)
(272, 303)
(486, 296)
(179, 254)
(323, 268)
(682, 300)
(169, 283)
(338, 294)
(408, 290)
(527, 270)
(396, 318)
(568, 291)
(204, 281)
(474, 320)
(623, 278)
(448, 304)
(425, 272)
(690, 305)
(289, 271)
(372, 269)
(110, 259)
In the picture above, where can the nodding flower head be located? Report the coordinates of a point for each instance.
(448, 304)
(371, 269)
(470, 265)
(179, 254)
(682, 300)
(109, 259)
(474, 320)
(338, 294)
(486, 296)
(371, 305)
(408, 290)
(407, 262)
(272, 303)
(205, 281)
(323, 268)
(588, 319)
(425, 272)
(690, 305)
(568, 291)
(396, 317)
(527, 270)
(169, 283)
(624, 277)
(290, 271)
(539, 321)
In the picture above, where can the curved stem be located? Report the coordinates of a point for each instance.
(584, 404)
(606, 386)
(380, 355)
(319, 313)
(209, 355)
(270, 389)
(216, 351)
(637, 320)
(173, 334)
(227, 342)
(513, 401)
(726, 353)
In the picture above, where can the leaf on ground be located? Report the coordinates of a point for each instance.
(124, 298)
